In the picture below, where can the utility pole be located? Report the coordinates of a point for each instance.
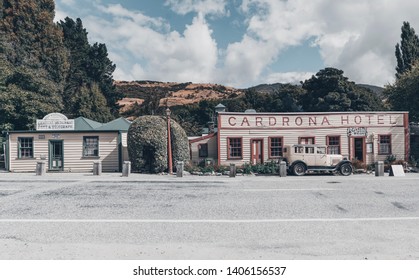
(169, 143)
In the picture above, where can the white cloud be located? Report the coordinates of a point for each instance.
(360, 39)
(357, 36)
(68, 2)
(245, 60)
(273, 26)
(160, 54)
(288, 77)
(203, 7)
(59, 15)
(118, 11)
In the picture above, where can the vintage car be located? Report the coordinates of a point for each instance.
(302, 158)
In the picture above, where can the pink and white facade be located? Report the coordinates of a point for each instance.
(260, 137)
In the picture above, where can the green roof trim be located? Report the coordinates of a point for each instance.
(120, 124)
(82, 123)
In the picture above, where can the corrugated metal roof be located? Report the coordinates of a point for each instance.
(118, 124)
(82, 123)
(85, 124)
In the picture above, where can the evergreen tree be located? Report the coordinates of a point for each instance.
(34, 62)
(407, 52)
(287, 99)
(90, 74)
(101, 69)
(403, 95)
(330, 91)
(90, 103)
(75, 40)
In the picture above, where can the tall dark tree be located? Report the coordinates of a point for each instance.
(330, 91)
(284, 98)
(78, 46)
(45, 67)
(90, 75)
(287, 99)
(33, 60)
(101, 69)
(403, 95)
(407, 52)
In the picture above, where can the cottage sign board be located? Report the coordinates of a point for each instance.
(55, 121)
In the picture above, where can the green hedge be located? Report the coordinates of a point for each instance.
(147, 144)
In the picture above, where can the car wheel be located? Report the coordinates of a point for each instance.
(299, 169)
(346, 169)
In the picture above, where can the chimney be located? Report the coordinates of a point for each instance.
(220, 108)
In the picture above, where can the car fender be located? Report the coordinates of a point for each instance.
(342, 162)
(295, 162)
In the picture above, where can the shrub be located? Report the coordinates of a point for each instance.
(390, 159)
(357, 164)
(413, 161)
(147, 144)
(265, 168)
(208, 169)
(247, 169)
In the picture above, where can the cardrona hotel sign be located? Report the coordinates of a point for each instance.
(245, 121)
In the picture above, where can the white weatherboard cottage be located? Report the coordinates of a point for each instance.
(70, 145)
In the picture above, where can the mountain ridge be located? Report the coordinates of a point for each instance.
(177, 94)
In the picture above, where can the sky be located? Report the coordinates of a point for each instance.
(243, 43)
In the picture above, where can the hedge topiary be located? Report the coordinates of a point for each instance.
(147, 144)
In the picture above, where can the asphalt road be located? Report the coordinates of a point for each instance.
(79, 216)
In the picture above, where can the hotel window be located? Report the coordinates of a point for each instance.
(203, 150)
(306, 140)
(90, 146)
(234, 148)
(333, 143)
(25, 149)
(384, 144)
(275, 147)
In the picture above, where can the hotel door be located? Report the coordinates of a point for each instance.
(56, 155)
(257, 151)
(359, 148)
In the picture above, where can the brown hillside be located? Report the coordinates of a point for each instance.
(172, 94)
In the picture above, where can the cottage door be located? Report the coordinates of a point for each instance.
(257, 151)
(56, 155)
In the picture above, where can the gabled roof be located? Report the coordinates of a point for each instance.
(82, 123)
(85, 124)
(119, 124)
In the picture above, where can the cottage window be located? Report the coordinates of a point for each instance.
(235, 148)
(384, 144)
(333, 143)
(275, 147)
(203, 150)
(25, 149)
(90, 146)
